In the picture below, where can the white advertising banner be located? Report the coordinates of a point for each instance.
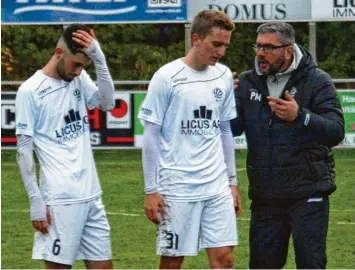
(240, 142)
(255, 10)
(120, 117)
(337, 10)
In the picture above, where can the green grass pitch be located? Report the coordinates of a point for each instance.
(133, 236)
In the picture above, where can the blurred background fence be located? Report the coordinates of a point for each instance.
(139, 36)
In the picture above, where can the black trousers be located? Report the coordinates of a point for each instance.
(274, 221)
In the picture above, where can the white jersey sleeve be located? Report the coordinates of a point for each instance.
(90, 90)
(229, 109)
(157, 100)
(25, 112)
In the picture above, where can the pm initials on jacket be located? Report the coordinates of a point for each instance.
(254, 95)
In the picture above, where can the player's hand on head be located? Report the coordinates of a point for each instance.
(84, 38)
(153, 206)
(235, 80)
(92, 33)
(90, 46)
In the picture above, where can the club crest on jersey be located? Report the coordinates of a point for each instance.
(218, 94)
(77, 94)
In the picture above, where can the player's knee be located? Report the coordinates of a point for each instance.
(99, 264)
(54, 265)
(225, 261)
(170, 262)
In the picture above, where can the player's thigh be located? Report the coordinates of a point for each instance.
(62, 241)
(178, 231)
(218, 222)
(95, 241)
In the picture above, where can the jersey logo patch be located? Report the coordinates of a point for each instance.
(203, 113)
(180, 80)
(201, 123)
(72, 117)
(43, 91)
(146, 111)
(218, 95)
(77, 94)
(75, 126)
(21, 126)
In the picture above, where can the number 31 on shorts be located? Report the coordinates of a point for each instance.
(173, 240)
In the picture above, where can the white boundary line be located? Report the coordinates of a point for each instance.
(123, 213)
(97, 163)
(107, 163)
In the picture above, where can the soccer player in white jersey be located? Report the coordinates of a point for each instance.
(188, 150)
(51, 119)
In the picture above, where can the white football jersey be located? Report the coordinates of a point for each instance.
(189, 106)
(54, 113)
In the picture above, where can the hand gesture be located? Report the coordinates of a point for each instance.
(284, 109)
(153, 204)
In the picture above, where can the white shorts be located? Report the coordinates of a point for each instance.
(78, 231)
(189, 226)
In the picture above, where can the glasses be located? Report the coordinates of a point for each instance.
(268, 48)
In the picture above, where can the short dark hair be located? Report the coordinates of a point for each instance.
(206, 19)
(285, 31)
(68, 37)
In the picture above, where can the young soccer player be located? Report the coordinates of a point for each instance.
(188, 150)
(51, 119)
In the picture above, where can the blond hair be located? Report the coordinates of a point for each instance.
(206, 19)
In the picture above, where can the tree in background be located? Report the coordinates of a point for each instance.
(136, 51)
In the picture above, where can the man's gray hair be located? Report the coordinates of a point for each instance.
(285, 31)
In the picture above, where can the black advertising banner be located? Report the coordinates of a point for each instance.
(108, 129)
(120, 127)
(8, 124)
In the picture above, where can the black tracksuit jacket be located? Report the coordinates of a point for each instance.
(290, 160)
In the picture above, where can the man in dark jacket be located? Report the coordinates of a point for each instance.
(291, 116)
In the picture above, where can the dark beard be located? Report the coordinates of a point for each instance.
(62, 76)
(275, 68)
